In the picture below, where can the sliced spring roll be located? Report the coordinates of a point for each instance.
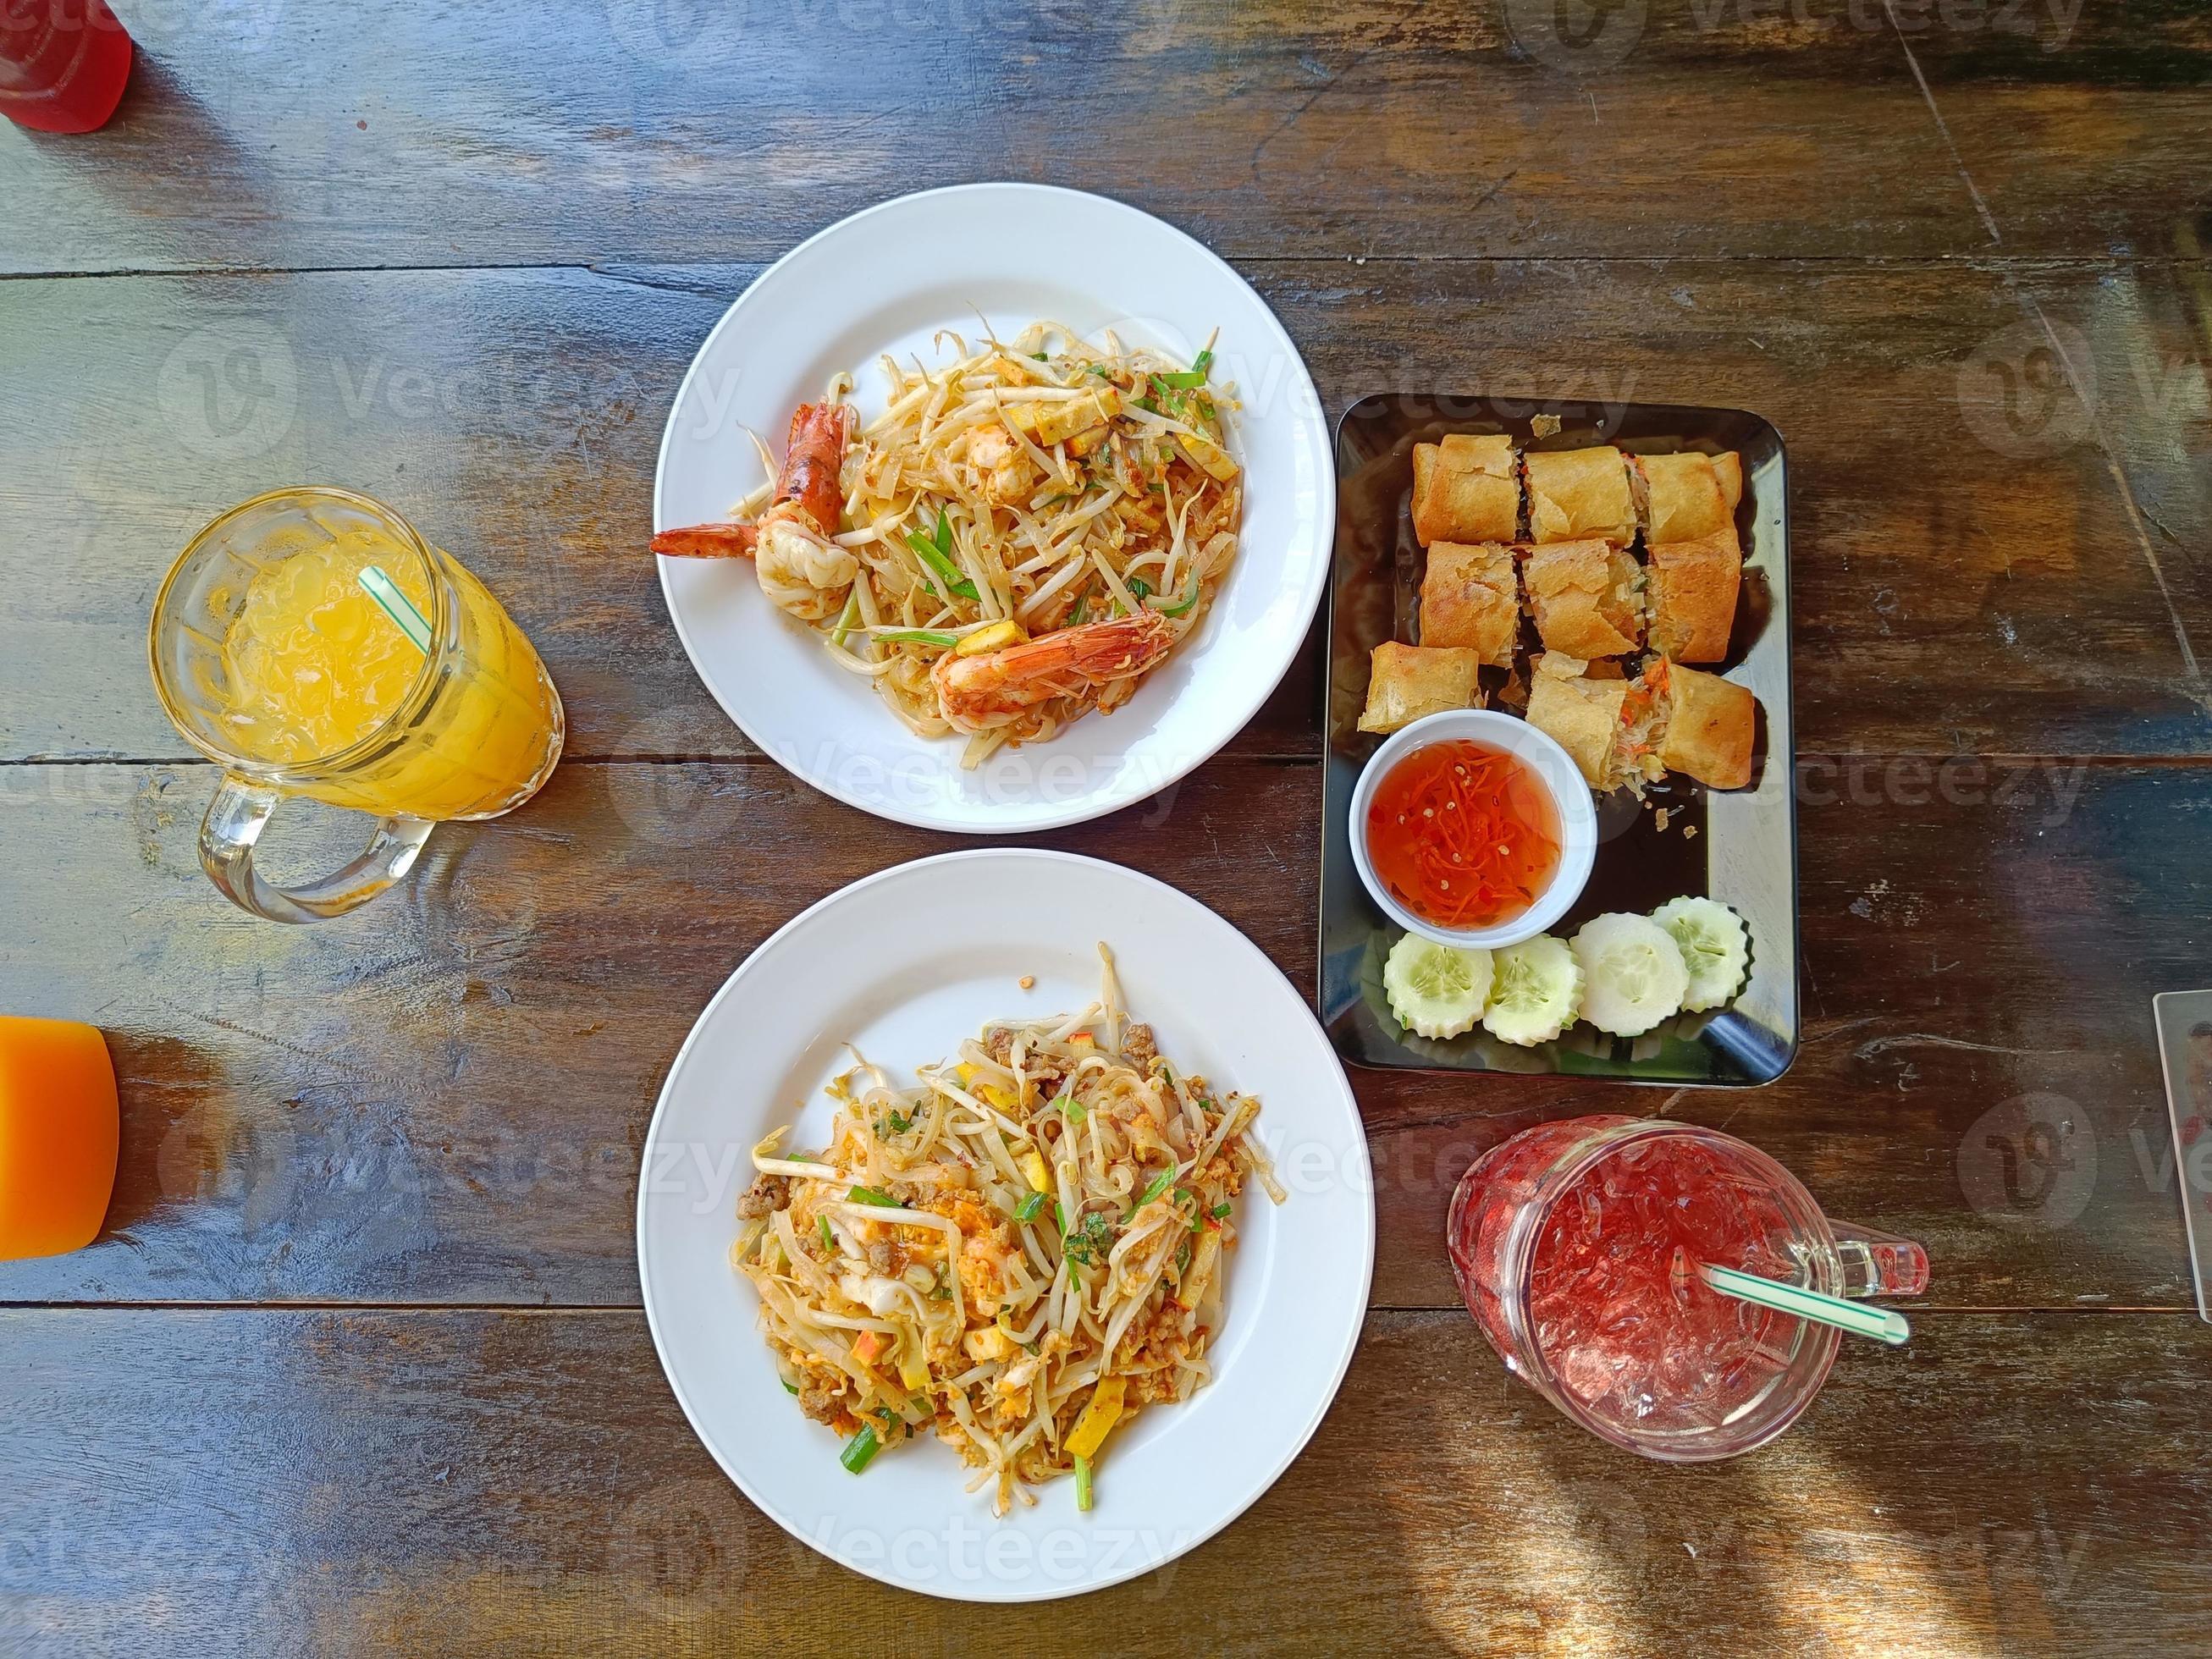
(1465, 490)
(1686, 497)
(1581, 714)
(1406, 681)
(1587, 597)
(1707, 724)
(1470, 597)
(1691, 590)
(1576, 494)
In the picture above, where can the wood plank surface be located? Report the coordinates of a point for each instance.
(1984, 559)
(1957, 250)
(257, 137)
(364, 1111)
(321, 1482)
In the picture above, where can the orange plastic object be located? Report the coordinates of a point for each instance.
(57, 1136)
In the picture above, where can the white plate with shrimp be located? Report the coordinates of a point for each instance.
(1097, 698)
(903, 966)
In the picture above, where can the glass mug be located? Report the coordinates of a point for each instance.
(1576, 1245)
(275, 663)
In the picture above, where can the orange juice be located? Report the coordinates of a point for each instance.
(312, 667)
(57, 1136)
(277, 664)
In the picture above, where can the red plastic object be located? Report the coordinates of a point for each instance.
(62, 64)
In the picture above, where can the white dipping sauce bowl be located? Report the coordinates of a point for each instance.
(1553, 767)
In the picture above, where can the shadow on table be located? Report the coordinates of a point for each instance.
(177, 1109)
(162, 142)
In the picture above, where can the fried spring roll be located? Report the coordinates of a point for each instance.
(1470, 597)
(1709, 724)
(1465, 490)
(1406, 681)
(1587, 597)
(1691, 587)
(1577, 494)
(1688, 497)
(1580, 713)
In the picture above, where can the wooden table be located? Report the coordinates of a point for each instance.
(359, 1361)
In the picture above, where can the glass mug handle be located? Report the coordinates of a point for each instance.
(1876, 1263)
(240, 811)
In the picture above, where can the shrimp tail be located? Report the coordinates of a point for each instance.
(726, 539)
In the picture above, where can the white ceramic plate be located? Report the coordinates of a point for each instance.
(886, 281)
(904, 964)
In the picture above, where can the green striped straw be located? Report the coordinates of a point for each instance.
(1855, 1318)
(396, 605)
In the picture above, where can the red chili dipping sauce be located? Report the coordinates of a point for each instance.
(1462, 835)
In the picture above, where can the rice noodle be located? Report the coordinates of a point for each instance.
(1047, 472)
(905, 1241)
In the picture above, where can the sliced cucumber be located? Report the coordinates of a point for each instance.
(1535, 989)
(1715, 944)
(1435, 991)
(1633, 973)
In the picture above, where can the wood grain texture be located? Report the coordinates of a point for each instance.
(460, 257)
(311, 1481)
(260, 136)
(444, 1098)
(1988, 556)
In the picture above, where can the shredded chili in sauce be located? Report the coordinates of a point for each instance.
(1463, 835)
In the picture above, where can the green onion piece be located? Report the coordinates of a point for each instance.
(1160, 1183)
(875, 1195)
(1189, 381)
(1082, 610)
(1083, 1483)
(1099, 369)
(1150, 406)
(947, 572)
(846, 619)
(1060, 1217)
(829, 1238)
(861, 1450)
(919, 636)
(1041, 356)
(1070, 1108)
(1028, 1209)
(1140, 588)
(1220, 1212)
(1181, 606)
(789, 1387)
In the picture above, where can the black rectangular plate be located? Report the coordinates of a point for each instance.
(1745, 852)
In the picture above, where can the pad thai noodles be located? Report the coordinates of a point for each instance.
(1020, 1254)
(1018, 538)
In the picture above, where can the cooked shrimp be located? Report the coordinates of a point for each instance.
(978, 693)
(1002, 466)
(806, 490)
(804, 573)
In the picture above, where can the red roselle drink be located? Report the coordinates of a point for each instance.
(1576, 1246)
(62, 64)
